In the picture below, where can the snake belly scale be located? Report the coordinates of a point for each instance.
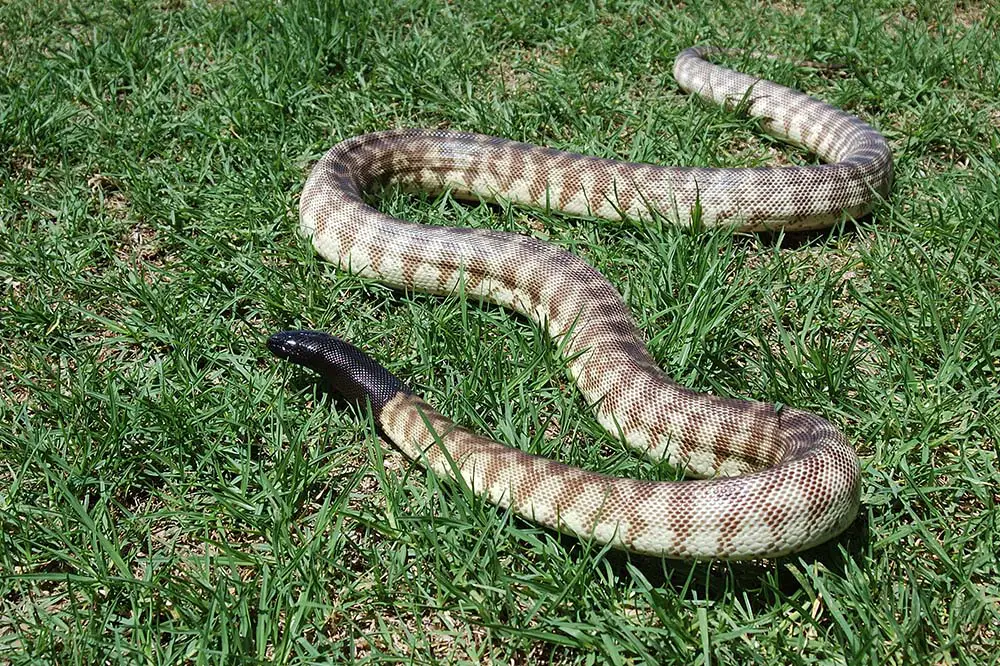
(772, 482)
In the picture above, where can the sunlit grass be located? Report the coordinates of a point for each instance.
(170, 493)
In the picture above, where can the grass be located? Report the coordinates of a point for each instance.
(169, 493)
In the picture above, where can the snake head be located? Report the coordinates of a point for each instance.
(351, 373)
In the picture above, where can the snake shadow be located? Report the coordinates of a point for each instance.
(793, 240)
(716, 580)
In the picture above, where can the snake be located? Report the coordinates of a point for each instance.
(763, 480)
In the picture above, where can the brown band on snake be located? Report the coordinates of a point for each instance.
(798, 480)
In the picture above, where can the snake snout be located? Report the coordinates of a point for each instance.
(281, 344)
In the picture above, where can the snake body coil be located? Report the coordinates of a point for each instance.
(776, 482)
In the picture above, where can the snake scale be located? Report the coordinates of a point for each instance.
(773, 481)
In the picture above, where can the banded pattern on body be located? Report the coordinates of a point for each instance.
(784, 480)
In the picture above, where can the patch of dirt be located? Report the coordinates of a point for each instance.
(519, 70)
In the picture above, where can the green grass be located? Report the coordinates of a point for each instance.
(169, 493)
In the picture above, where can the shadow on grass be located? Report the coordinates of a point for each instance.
(757, 579)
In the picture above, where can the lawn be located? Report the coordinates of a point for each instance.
(171, 493)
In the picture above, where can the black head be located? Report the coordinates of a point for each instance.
(350, 372)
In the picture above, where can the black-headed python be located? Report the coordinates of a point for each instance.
(775, 481)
